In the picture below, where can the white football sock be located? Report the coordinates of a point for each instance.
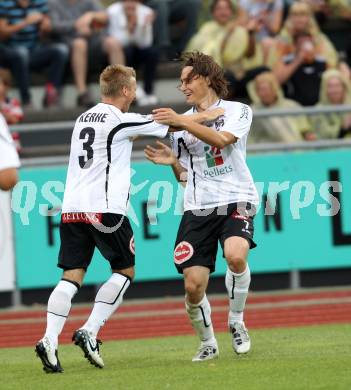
(59, 305)
(200, 318)
(108, 298)
(238, 289)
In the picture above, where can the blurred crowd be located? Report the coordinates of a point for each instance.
(276, 53)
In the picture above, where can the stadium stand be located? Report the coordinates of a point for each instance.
(333, 23)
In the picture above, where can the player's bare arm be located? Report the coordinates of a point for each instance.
(219, 139)
(8, 178)
(167, 114)
(163, 155)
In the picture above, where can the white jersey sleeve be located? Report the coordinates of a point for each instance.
(136, 124)
(179, 148)
(239, 121)
(8, 154)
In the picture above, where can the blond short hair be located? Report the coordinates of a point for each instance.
(113, 78)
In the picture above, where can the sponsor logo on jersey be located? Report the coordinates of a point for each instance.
(88, 218)
(214, 160)
(183, 252)
(218, 171)
(214, 156)
(132, 245)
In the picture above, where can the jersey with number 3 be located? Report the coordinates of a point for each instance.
(98, 178)
(216, 176)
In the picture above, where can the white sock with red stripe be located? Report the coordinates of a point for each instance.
(200, 318)
(108, 299)
(59, 306)
(238, 289)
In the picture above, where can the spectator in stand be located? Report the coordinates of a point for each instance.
(325, 9)
(242, 57)
(265, 18)
(268, 14)
(209, 38)
(130, 23)
(265, 92)
(79, 24)
(183, 13)
(335, 90)
(231, 45)
(307, 67)
(9, 107)
(24, 26)
(301, 50)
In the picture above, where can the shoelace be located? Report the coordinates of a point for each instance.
(242, 334)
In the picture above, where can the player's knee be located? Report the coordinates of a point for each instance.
(130, 274)
(194, 289)
(74, 276)
(127, 272)
(236, 263)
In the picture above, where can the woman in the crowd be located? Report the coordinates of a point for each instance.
(300, 20)
(335, 90)
(208, 39)
(265, 92)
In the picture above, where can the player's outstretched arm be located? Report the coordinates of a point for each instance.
(163, 155)
(168, 115)
(219, 139)
(206, 116)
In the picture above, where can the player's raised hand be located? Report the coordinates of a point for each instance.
(162, 155)
(166, 116)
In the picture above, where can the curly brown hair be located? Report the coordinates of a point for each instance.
(205, 66)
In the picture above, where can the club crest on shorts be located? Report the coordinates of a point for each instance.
(242, 214)
(132, 245)
(183, 252)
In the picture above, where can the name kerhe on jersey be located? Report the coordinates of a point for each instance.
(93, 117)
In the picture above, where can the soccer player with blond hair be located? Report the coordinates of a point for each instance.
(94, 212)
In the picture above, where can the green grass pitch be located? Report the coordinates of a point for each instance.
(314, 357)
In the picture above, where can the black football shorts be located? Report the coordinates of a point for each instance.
(81, 232)
(200, 230)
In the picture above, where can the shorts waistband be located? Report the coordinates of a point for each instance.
(81, 217)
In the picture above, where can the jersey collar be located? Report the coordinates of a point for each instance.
(215, 104)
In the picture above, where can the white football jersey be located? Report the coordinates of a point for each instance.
(98, 177)
(8, 153)
(216, 176)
